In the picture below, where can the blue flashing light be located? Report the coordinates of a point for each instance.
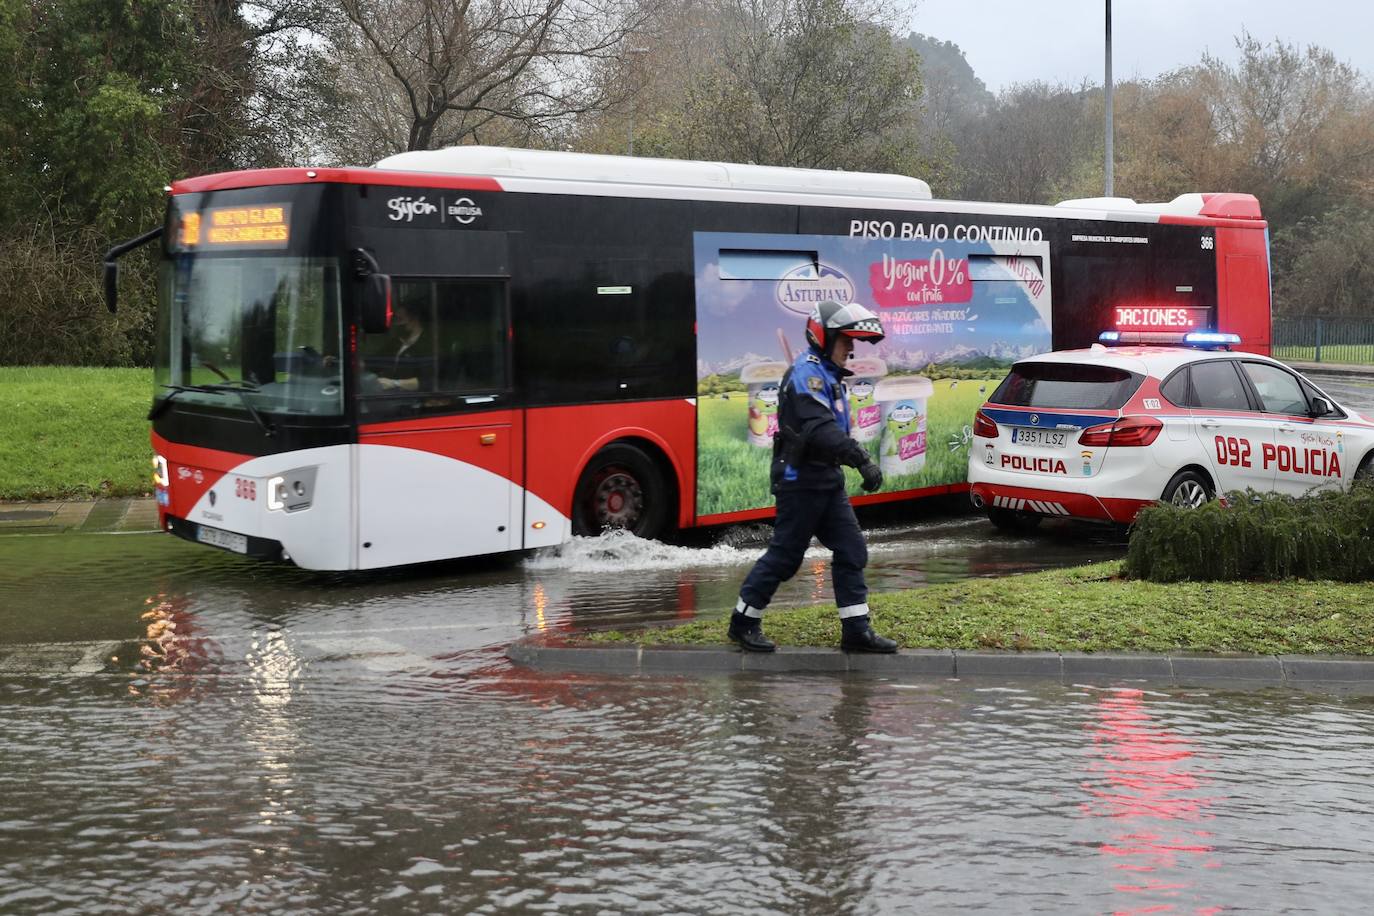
(1109, 337)
(1211, 339)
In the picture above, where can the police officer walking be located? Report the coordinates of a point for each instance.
(809, 448)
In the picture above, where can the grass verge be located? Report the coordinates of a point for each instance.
(74, 432)
(1083, 609)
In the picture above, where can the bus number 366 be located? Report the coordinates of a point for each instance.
(245, 489)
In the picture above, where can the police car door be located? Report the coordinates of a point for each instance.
(1235, 435)
(1306, 452)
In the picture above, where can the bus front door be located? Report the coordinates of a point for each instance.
(439, 442)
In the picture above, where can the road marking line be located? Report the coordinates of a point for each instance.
(94, 658)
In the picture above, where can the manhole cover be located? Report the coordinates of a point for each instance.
(24, 515)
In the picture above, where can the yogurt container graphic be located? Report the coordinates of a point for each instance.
(903, 404)
(865, 416)
(762, 380)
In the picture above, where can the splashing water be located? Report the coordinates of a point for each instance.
(620, 551)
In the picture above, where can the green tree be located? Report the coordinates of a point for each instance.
(103, 104)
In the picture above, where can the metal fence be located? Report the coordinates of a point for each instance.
(1324, 340)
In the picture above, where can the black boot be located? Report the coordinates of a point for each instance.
(748, 632)
(857, 636)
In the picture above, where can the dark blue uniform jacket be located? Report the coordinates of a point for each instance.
(813, 426)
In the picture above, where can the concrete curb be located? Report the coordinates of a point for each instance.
(1065, 667)
(1344, 369)
(120, 515)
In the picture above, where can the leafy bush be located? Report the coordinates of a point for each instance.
(1258, 536)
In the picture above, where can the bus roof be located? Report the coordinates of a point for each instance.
(501, 169)
(499, 162)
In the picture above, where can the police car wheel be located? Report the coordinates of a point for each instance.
(621, 487)
(1012, 520)
(1365, 472)
(1187, 490)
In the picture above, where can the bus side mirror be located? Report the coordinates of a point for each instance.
(111, 285)
(1321, 407)
(376, 312)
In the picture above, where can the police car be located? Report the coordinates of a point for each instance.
(1101, 433)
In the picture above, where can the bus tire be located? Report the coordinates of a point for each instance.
(1187, 489)
(621, 487)
(1013, 520)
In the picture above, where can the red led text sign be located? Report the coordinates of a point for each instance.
(1161, 318)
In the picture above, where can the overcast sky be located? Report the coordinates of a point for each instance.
(1010, 41)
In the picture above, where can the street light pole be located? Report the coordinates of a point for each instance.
(1107, 93)
(634, 102)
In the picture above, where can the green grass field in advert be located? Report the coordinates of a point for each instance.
(732, 475)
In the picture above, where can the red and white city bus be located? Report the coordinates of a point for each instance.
(475, 350)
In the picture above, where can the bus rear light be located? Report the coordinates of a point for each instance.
(1125, 433)
(983, 426)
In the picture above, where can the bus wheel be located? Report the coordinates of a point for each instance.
(621, 488)
(1012, 520)
(1187, 490)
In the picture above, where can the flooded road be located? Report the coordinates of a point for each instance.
(182, 730)
(187, 731)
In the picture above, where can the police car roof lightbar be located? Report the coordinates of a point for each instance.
(1200, 339)
(1211, 339)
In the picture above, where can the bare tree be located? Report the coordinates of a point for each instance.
(1031, 146)
(450, 69)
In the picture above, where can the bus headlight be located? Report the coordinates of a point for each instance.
(291, 491)
(276, 494)
(160, 477)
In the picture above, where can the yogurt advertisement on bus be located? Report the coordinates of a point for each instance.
(957, 314)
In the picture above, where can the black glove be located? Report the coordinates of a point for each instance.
(872, 475)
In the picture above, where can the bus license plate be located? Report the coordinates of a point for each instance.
(1039, 438)
(238, 543)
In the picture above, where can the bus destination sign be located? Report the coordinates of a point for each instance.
(266, 226)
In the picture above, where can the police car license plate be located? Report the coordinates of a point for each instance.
(238, 543)
(1039, 438)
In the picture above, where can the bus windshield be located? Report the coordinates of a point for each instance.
(253, 334)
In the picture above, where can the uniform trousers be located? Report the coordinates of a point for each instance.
(827, 515)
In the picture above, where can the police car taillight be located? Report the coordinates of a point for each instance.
(1123, 433)
(983, 426)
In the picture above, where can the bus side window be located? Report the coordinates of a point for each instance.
(402, 360)
(470, 322)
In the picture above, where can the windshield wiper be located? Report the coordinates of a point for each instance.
(238, 387)
(161, 406)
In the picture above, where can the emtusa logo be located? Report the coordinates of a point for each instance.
(464, 210)
(407, 208)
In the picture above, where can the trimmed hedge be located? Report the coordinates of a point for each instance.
(1258, 536)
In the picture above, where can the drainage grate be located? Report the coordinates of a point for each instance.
(25, 515)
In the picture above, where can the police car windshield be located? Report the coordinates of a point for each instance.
(1066, 386)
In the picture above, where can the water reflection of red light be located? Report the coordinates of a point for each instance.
(1146, 775)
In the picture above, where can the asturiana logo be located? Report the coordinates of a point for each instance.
(802, 288)
(407, 208)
